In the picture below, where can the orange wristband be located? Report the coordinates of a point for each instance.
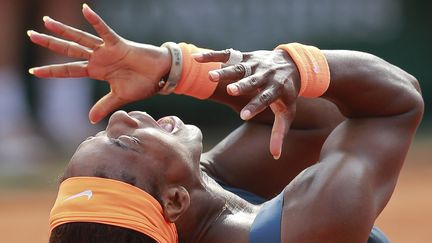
(313, 68)
(194, 80)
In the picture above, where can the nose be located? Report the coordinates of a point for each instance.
(119, 121)
(123, 117)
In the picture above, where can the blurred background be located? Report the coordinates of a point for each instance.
(43, 121)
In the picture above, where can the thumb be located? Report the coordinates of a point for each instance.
(104, 106)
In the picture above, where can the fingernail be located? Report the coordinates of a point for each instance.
(233, 89)
(214, 75)
(45, 18)
(276, 157)
(85, 5)
(245, 114)
(31, 71)
(29, 32)
(91, 119)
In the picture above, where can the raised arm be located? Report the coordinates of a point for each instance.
(338, 199)
(134, 71)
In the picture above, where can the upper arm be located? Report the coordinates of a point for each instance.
(378, 146)
(338, 199)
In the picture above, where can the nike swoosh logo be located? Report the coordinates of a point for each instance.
(87, 193)
(316, 67)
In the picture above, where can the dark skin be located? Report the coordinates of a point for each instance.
(353, 140)
(314, 121)
(364, 164)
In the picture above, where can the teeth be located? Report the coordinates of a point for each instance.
(166, 123)
(168, 127)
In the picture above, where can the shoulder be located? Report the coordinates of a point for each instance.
(318, 204)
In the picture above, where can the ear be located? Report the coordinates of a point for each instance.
(176, 201)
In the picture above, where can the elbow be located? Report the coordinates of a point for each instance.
(416, 100)
(415, 83)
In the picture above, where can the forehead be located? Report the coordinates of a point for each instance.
(104, 156)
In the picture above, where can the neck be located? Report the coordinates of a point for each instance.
(210, 208)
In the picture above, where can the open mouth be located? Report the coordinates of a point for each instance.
(170, 123)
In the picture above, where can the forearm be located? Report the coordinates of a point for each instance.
(311, 114)
(363, 85)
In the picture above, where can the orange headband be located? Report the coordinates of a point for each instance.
(111, 202)
(313, 68)
(194, 80)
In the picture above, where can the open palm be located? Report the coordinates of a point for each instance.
(133, 70)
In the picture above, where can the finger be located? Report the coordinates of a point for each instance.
(67, 48)
(228, 73)
(105, 106)
(67, 70)
(259, 103)
(212, 56)
(72, 34)
(246, 86)
(103, 30)
(281, 125)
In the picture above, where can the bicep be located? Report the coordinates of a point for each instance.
(376, 145)
(327, 205)
(339, 198)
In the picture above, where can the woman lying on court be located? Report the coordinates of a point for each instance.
(342, 124)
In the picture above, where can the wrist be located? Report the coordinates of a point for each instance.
(170, 81)
(294, 74)
(165, 60)
(194, 80)
(185, 75)
(312, 66)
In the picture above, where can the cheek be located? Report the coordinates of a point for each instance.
(197, 151)
(193, 142)
(194, 135)
(148, 170)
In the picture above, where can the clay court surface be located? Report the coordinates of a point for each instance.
(406, 219)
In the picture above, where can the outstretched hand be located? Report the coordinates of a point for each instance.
(133, 70)
(274, 82)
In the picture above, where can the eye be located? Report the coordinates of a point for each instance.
(135, 140)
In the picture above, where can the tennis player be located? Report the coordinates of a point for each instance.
(339, 122)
